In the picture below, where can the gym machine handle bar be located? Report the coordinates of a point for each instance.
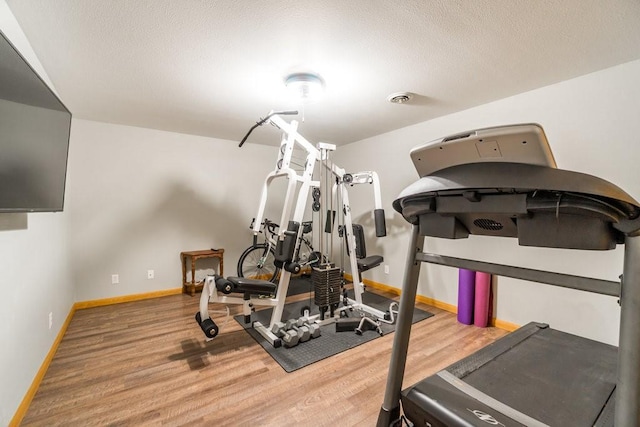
(263, 121)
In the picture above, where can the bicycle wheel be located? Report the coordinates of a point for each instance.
(257, 262)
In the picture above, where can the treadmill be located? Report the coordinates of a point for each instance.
(535, 376)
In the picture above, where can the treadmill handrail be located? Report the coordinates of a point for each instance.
(588, 284)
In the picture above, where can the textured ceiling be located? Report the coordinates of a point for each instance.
(212, 68)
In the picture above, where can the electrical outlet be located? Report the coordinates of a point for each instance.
(115, 279)
(50, 319)
(150, 274)
(386, 269)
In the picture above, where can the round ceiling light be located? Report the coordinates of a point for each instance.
(400, 97)
(306, 87)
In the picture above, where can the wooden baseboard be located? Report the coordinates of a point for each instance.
(31, 392)
(507, 326)
(126, 298)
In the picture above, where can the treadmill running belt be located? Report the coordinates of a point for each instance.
(556, 378)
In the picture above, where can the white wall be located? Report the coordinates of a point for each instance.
(135, 198)
(138, 197)
(593, 127)
(34, 277)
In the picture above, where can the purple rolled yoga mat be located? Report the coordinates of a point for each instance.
(481, 308)
(466, 291)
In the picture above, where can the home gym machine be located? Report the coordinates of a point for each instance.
(327, 279)
(534, 376)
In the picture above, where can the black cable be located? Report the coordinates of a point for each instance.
(263, 121)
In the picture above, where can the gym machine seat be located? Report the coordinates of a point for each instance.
(544, 207)
(246, 286)
(369, 262)
(364, 262)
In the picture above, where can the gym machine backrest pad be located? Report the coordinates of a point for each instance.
(364, 262)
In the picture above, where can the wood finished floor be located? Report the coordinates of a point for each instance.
(147, 363)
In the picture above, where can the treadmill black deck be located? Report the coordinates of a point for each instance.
(553, 378)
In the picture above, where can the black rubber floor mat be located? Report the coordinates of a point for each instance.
(329, 343)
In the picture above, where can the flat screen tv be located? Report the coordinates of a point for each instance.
(34, 138)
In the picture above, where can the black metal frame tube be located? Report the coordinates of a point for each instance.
(390, 410)
(604, 287)
(628, 385)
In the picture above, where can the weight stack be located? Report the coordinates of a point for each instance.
(326, 282)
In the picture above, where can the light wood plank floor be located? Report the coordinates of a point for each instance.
(147, 363)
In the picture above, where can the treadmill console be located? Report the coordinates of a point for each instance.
(519, 143)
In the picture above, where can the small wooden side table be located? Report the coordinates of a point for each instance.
(191, 287)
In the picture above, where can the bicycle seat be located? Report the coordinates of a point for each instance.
(307, 227)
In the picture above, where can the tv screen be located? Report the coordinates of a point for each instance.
(34, 138)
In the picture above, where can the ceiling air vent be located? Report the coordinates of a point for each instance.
(487, 224)
(399, 97)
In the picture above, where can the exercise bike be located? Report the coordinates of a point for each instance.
(258, 261)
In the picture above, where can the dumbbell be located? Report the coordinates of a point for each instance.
(303, 331)
(314, 328)
(289, 336)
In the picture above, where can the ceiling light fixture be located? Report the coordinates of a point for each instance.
(305, 87)
(400, 97)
